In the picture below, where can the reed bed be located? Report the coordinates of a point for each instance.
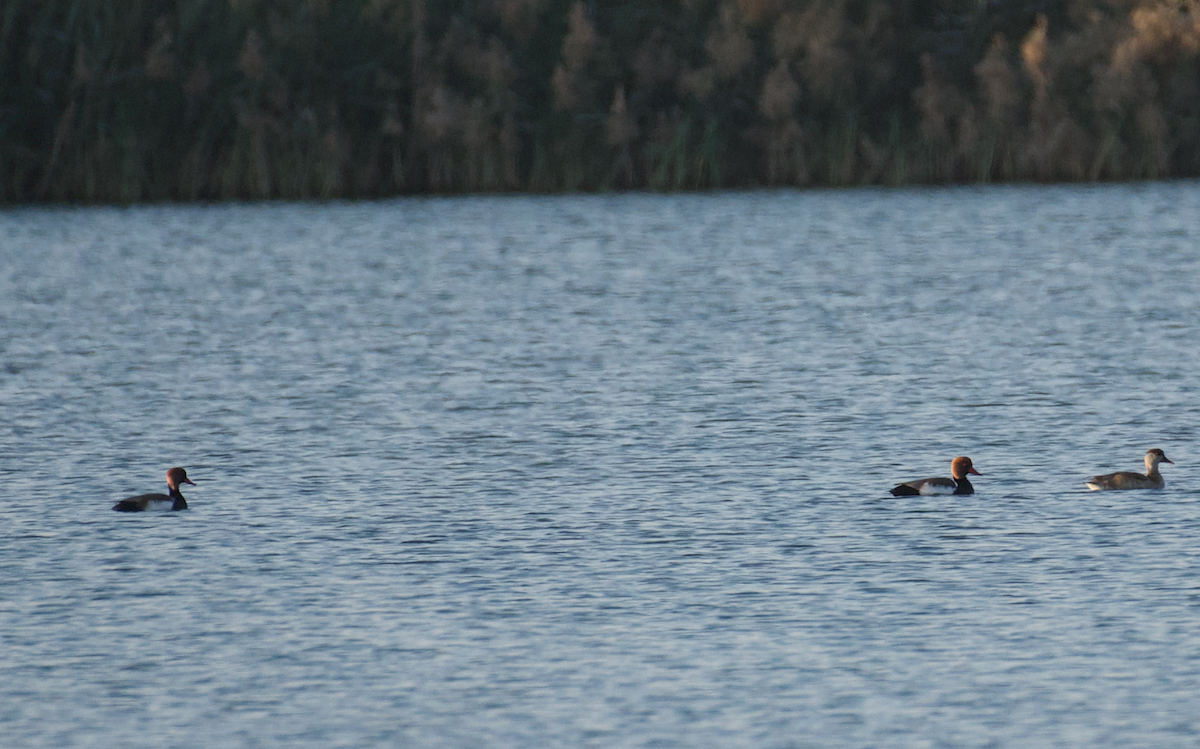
(135, 100)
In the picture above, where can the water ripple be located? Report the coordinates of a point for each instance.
(602, 471)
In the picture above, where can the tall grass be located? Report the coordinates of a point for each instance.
(132, 100)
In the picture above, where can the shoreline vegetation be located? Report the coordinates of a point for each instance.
(137, 100)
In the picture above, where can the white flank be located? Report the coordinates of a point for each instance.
(934, 490)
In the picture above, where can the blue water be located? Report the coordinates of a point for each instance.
(603, 471)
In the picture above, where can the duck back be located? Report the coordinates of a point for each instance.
(1125, 480)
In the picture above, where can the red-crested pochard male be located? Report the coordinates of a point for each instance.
(959, 468)
(170, 501)
(1152, 479)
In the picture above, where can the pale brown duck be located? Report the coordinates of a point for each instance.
(1152, 479)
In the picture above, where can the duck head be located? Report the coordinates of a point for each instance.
(177, 476)
(1156, 456)
(960, 467)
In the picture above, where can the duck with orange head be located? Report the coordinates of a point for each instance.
(957, 484)
(172, 500)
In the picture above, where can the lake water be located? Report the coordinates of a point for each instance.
(603, 471)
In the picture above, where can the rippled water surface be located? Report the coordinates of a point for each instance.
(602, 471)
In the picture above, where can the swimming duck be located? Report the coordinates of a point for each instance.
(1130, 480)
(959, 468)
(175, 477)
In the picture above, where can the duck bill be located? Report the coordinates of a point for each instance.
(972, 470)
(188, 481)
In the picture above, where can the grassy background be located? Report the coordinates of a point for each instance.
(130, 100)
